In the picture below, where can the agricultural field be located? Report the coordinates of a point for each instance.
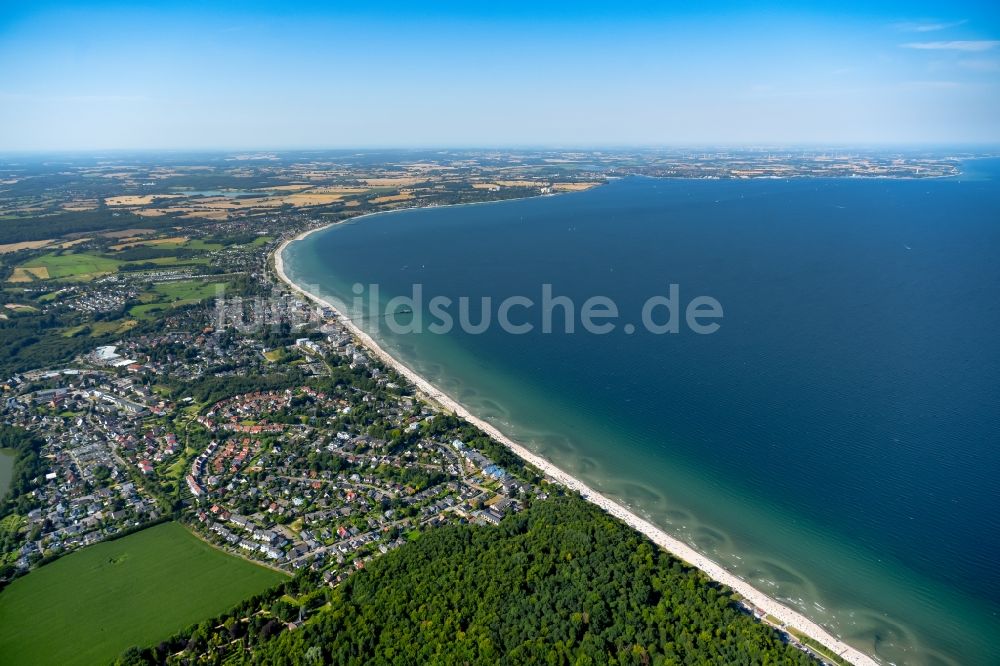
(23, 245)
(99, 328)
(168, 242)
(89, 606)
(392, 197)
(21, 275)
(20, 307)
(79, 266)
(84, 266)
(572, 187)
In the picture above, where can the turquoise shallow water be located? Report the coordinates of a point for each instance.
(835, 440)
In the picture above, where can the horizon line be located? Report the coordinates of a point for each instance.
(741, 145)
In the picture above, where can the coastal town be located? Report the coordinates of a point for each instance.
(333, 466)
(172, 372)
(499, 334)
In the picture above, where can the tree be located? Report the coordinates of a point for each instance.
(561, 582)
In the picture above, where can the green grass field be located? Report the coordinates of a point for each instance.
(147, 311)
(80, 266)
(173, 261)
(83, 266)
(199, 244)
(87, 607)
(174, 294)
(186, 290)
(98, 328)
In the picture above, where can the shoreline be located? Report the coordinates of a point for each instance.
(787, 617)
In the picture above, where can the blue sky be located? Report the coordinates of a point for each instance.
(82, 76)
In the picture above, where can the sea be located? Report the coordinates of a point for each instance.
(835, 440)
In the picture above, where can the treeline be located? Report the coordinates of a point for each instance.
(8, 572)
(28, 467)
(212, 389)
(234, 238)
(560, 583)
(31, 340)
(147, 252)
(244, 622)
(416, 477)
(41, 227)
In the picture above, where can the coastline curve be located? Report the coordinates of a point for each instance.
(787, 617)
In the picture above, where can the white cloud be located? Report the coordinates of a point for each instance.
(930, 85)
(71, 99)
(981, 65)
(958, 45)
(918, 26)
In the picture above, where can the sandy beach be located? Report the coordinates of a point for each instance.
(786, 616)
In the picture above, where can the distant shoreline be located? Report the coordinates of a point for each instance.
(769, 606)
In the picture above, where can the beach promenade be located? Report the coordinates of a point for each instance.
(786, 617)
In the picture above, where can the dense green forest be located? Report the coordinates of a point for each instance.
(31, 340)
(28, 466)
(210, 390)
(38, 227)
(560, 583)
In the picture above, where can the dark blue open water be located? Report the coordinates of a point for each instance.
(836, 441)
